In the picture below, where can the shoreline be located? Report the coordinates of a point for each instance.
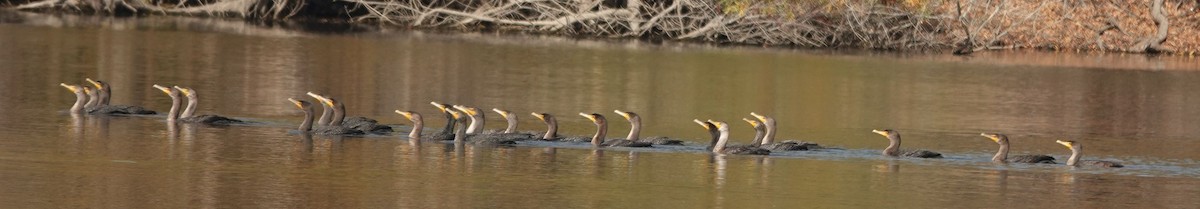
(1015, 57)
(1124, 26)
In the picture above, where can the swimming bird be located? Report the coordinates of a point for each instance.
(720, 140)
(339, 118)
(93, 99)
(419, 124)
(477, 118)
(602, 130)
(512, 123)
(1077, 152)
(80, 98)
(893, 148)
(103, 93)
(461, 136)
(510, 118)
(174, 114)
(447, 132)
(1002, 155)
(326, 111)
(507, 134)
(768, 141)
(759, 131)
(635, 123)
(307, 125)
(552, 129)
(188, 115)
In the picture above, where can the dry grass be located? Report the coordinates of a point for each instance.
(966, 25)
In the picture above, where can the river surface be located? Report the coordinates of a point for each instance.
(1137, 110)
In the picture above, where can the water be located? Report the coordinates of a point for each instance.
(1124, 108)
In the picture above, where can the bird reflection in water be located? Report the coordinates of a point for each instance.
(1001, 178)
(764, 172)
(718, 163)
(889, 167)
(306, 143)
(597, 161)
(99, 123)
(172, 139)
(76, 126)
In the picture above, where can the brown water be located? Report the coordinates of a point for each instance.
(48, 159)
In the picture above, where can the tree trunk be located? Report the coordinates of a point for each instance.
(1153, 44)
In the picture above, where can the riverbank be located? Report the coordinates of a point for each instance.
(962, 27)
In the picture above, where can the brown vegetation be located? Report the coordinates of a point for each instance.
(968, 26)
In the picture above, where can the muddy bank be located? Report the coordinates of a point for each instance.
(962, 27)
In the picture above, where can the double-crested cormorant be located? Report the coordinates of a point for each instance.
(635, 123)
(174, 114)
(80, 98)
(508, 117)
(1002, 155)
(1077, 152)
(339, 118)
(552, 129)
(893, 148)
(720, 140)
(103, 90)
(461, 136)
(602, 131)
(189, 116)
(419, 124)
(768, 140)
(712, 131)
(102, 95)
(512, 124)
(447, 132)
(307, 125)
(93, 99)
(759, 131)
(507, 134)
(326, 110)
(477, 118)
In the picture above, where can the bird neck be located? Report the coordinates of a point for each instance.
(601, 131)
(1076, 153)
(460, 133)
(758, 136)
(635, 128)
(1002, 154)
(105, 94)
(551, 129)
(339, 114)
(476, 124)
(191, 107)
(174, 113)
(80, 98)
(893, 145)
(769, 136)
(92, 101)
(450, 122)
(512, 124)
(722, 140)
(715, 137)
(418, 124)
(306, 126)
(326, 113)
